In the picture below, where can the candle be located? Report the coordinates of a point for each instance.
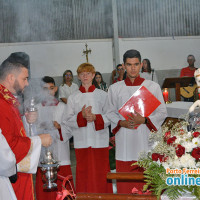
(166, 95)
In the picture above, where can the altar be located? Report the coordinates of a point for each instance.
(178, 109)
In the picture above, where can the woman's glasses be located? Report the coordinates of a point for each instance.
(68, 75)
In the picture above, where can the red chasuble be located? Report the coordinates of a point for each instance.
(14, 132)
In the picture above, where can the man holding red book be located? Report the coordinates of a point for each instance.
(132, 132)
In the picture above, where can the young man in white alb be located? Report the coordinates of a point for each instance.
(50, 112)
(130, 141)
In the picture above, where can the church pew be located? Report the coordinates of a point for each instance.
(135, 176)
(96, 196)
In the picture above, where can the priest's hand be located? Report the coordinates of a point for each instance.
(46, 139)
(31, 117)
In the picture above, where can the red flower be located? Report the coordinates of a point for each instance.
(136, 191)
(167, 135)
(165, 159)
(196, 153)
(180, 150)
(156, 156)
(196, 134)
(182, 131)
(171, 140)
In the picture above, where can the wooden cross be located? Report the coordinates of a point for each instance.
(86, 52)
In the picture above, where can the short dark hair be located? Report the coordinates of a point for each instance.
(15, 61)
(48, 79)
(191, 56)
(7, 67)
(132, 53)
(20, 57)
(118, 66)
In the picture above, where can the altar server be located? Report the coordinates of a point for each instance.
(13, 80)
(50, 112)
(130, 141)
(85, 114)
(7, 169)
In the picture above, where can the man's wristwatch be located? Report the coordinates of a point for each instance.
(146, 120)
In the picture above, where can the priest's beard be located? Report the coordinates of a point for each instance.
(17, 88)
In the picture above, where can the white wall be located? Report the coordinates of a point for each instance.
(53, 58)
(164, 53)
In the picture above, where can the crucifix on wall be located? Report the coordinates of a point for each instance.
(86, 52)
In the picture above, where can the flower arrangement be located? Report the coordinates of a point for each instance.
(173, 161)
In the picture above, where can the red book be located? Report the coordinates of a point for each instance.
(142, 101)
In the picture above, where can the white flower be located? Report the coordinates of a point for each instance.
(155, 144)
(176, 163)
(172, 163)
(196, 141)
(188, 146)
(165, 165)
(187, 161)
(198, 164)
(178, 140)
(189, 134)
(158, 162)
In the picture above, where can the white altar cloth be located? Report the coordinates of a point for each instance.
(178, 109)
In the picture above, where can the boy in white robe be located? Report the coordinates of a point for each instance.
(50, 113)
(85, 115)
(129, 140)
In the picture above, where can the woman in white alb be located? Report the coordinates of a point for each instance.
(67, 87)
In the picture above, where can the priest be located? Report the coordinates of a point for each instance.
(132, 134)
(13, 80)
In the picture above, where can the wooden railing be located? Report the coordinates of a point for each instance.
(94, 196)
(134, 176)
(118, 176)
